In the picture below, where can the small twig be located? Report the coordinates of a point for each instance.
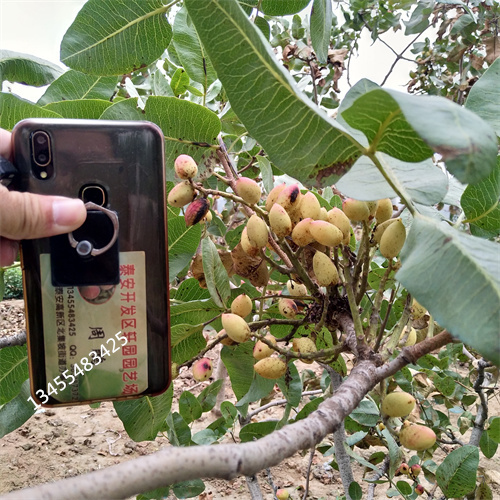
(375, 315)
(482, 411)
(308, 473)
(377, 475)
(253, 487)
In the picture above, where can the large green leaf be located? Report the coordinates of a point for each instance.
(456, 277)
(239, 363)
(408, 127)
(480, 201)
(379, 117)
(300, 139)
(188, 128)
(215, 273)
(281, 8)
(484, 97)
(144, 417)
(194, 313)
(14, 413)
(27, 69)
(188, 347)
(76, 85)
(90, 109)
(421, 182)
(182, 244)
(14, 109)
(13, 371)
(456, 476)
(191, 52)
(101, 42)
(321, 28)
(189, 290)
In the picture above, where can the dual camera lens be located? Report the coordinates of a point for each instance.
(42, 154)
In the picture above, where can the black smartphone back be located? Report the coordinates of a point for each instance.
(97, 303)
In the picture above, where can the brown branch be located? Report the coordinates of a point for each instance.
(226, 461)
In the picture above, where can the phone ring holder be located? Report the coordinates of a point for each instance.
(84, 248)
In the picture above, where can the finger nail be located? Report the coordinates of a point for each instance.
(68, 213)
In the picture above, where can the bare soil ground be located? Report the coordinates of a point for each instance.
(65, 442)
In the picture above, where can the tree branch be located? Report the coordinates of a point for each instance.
(226, 461)
(16, 339)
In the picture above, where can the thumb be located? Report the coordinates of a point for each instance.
(28, 215)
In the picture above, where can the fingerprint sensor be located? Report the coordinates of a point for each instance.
(94, 193)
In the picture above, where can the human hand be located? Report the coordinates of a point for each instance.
(28, 215)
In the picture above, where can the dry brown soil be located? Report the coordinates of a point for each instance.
(65, 442)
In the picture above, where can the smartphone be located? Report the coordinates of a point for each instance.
(97, 305)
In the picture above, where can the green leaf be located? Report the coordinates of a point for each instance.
(188, 129)
(239, 363)
(194, 313)
(14, 109)
(260, 388)
(256, 430)
(366, 413)
(377, 114)
(299, 138)
(13, 371)
(421, 182)
(455, 276)
(27, 69)
(17, 411)
(321, 28)
(494, 429)
(191, 52)
(90, 109)
(404, 488)
(266, 172)
(186, 341)
(123, 110)
(309, 408)
(466, 143)
(154, 494)
(484, 98)
(281, 8)
(189, 290)
(144, 417)
(182, 244)
(208, 396)
(445, 385)
(263, 25)
(189, 407)
(487, 445)
(74, 85)
(100, 42)
(291, 386)
(179, 82)
(395, 453)
(419, 19)
(189, 489)
(179, 433)
(206, 436)
(215, 273)
(480, 201)
(456, 476)
(408, 127)
(355, 491)
(483, 492)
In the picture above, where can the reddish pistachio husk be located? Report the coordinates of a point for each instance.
(202, 369)
(196, 211)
